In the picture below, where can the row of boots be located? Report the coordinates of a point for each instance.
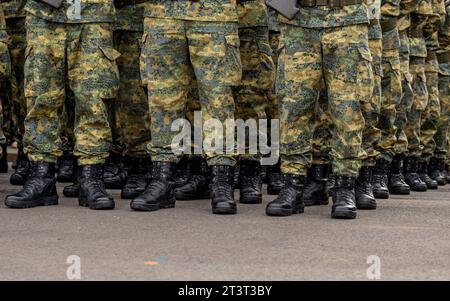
(403, 175)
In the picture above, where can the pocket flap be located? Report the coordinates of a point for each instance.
(110, 53)
(365, 53)
(233, 40)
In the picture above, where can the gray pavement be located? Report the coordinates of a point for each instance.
(410, 235)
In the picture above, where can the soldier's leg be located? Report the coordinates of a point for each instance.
(44, 68)
(166, 71)
(274, 178)
(217, 71)
(413, 124)
(132, 112)
(396, 180)
(316, 190)
(441, 137)
(251, 99)
(370, 107)
(299, 81)
(92, 45)
(429, 119)
(391, 94)
(346, 93)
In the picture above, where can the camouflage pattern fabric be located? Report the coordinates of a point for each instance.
(401, 142)
(132, 108)
(258, 71)
(173, 50)
(432, 112)
(420, 92)
(199, 10)
(88, 11)
(308, 57)
(56, 52)
(441, 137)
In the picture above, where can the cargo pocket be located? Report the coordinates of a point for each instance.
(365, 78)
(5, 61)
(420, 92)
(233, 65)
(267, 67)
(108, 73)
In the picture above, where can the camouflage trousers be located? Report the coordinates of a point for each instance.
(172, 52)
(441, 137)
(341, 58)
(251, 97)
(401, 143)
(82, 54)
(370, 108)
(414, 116)
(391, 95)
(432, 112)
(18, 44)
(131, 108)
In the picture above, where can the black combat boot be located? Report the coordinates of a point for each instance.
(274, 179)
(159, 192)
(182, 173)
(344, 198)
(197, 187)
(222, 190)
(92, 189)
(250, 182)
(137, 178)
(363, 190)
(397, 184)
(114, 173)
(38, 190)
(290, 200)
(380, 179)
(66, 168)
(4, 159)
(73, 190)
(316, 188)
(423, 174)
(435, 171)
(22, 169)
(410, 169)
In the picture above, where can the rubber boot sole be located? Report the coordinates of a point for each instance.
(284, 212)
(164, 204)
(98, 205)
(343, 214)
(224, 210)
(43, 201)
(381, 194)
